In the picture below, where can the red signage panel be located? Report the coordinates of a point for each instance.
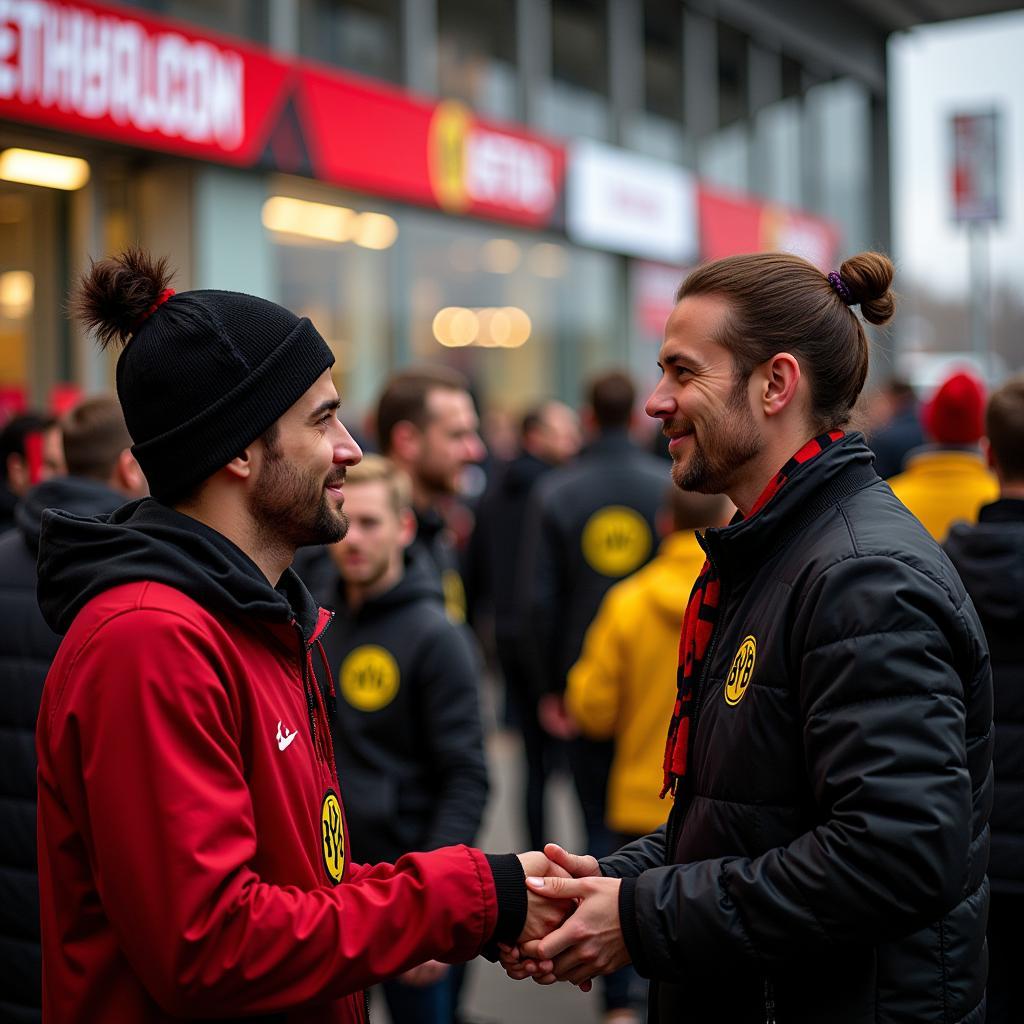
(95, 71)
(109, 73)
(731, 224)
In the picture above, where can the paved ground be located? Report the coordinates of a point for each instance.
(490, 997)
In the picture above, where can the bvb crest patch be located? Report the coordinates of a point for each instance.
(369, 678)
(742, 668)
(616, 540)
(332, 836)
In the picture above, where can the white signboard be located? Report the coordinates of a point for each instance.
(976, 166)
(632, 204)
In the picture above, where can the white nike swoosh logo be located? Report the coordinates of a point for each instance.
(284, 739)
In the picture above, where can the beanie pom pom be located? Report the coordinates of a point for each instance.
(116, 293)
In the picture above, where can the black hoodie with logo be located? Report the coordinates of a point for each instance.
(407, 734)
(27, 646)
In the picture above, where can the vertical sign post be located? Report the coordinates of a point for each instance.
(976, 194)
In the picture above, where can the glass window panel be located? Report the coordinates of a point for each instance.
(733, 75)
(361, 35)
(245, 18)
(477, 54)
(663, 59)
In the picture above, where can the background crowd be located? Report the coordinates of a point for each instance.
(546, 602)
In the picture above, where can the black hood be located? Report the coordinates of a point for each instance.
(990, 559)
(419, 581)
(74, 494)
(81, 557)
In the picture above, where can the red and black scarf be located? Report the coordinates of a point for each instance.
(699, 625)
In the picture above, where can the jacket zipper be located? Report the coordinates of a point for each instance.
(310, 704)
(366, 1005)
(676, 818)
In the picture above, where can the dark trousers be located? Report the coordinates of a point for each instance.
(1005, 982)
(540, 749)
(591, 762)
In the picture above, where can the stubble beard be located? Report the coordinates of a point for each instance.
(730, 442)
(292, 509)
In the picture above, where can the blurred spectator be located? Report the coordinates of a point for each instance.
(427, 425)
(948, 481)
(30, 452)
(623, 687)
(550, 436)
(407, 736)
(103, 474)
(588, 525)
(990, 559)
(899, 431)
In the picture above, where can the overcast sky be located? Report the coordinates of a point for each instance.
(959, 66)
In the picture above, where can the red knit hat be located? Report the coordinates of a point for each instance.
(955, 414)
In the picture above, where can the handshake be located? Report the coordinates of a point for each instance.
(572, 931)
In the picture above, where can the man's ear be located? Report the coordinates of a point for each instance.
(17, 473)
(243, 465)
(129, 476)
(407, 527)
(406, 442)
(990, 455)
(779, 383)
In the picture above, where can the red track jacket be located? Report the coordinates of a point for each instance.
(192, 843)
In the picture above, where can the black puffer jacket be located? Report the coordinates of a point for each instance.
(826, 859)
(587, 526)
(990, 560)
(27, 646)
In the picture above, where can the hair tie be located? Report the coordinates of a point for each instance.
(841, 287)
(160, 300)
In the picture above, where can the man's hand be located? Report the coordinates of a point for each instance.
(590, 942)
(424, 974)
(554, 719)
(562, 864)
(542, 915)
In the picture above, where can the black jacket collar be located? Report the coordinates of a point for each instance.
(741, 548)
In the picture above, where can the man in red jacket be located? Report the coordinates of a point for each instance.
(193, 849)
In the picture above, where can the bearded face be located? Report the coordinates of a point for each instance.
(294, 506)
(708, 451)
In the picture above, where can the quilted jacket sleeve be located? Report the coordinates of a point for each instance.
(882, 656)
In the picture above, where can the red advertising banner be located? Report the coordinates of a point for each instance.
(109, 73)
(95, 71)
(732, 224)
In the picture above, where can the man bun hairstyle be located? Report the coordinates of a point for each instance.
(112, 300)
(868, 275)
(202, 374)
(779, 302)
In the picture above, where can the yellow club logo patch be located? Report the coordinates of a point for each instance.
(369, 678)
(449, 128)
(616, 540)
(332, 836)
(742, 668)
(454, 596)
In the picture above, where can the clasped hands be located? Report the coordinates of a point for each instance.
(572, 930)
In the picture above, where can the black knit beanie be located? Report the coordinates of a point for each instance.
(204, 375)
